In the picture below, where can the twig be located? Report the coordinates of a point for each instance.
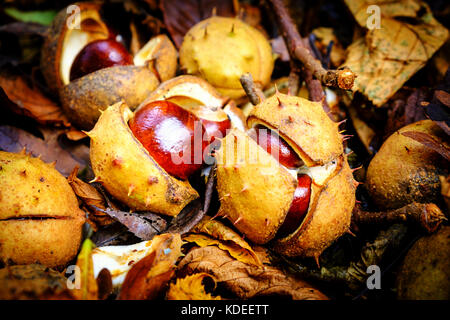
(254, 93)
(427, 215)
(335, 78)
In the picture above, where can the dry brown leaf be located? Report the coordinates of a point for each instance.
(150, 276)
(50, 149)
(88, 289)
(90, 196)
(30, 101)
(191, 288)
(388, 56)
(225, 238)
(244, 280)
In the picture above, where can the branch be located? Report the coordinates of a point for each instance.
(333, 78)
(253, 92)
(427, 215)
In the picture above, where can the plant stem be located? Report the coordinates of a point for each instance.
(253, 92)
(427, 215)
(336, 78)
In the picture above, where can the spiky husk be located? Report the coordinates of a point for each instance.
(302, 124)
(222, 49)
(52, 48)
(40, 220)
(125, 168)
(187, 86)
(328, 217)
(316, 139)
(255, 190)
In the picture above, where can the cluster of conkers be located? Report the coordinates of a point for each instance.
(144, 158)
(89, 69)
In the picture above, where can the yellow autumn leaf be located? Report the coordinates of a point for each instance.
(390, 54)
(191, 288)
(88, 289)
(212, 232)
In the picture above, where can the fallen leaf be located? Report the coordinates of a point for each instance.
(91, 198)
(430, 142)
(181, 15)
(67, 156)
(144, 225)
(88, 289)
(388, 56)
(29, 101)
(150, 276)
(191, 288)
(187, 218)
(244, 280)
(213, 232)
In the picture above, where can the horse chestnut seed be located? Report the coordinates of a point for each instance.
(98, 55)
(216, 129)
(277, 147)
(172, 135)
(299, 206)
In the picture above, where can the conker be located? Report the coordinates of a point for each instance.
(216, 129)
(172, 135)
(98, 55)
(299, 206)
(277, 147)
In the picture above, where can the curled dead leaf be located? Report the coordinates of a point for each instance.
(91, 198)
(31, 102)
(213, 232)
(244, 280)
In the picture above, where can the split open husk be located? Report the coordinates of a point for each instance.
(125, 168)
(256, 198)
(84, 98)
